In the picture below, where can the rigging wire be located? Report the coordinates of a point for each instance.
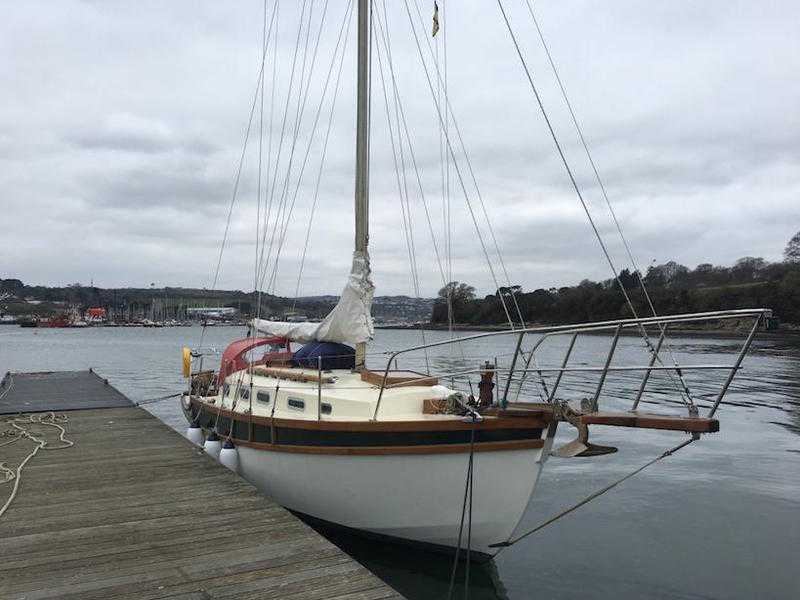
(589, 498)
(564, 158)
(603, 190)
(287, 208)
(267, 193)
(260, 144)
(414, 164)
(260, 88)
(444, 162)
(302, 97)
(290, 212)
(400, 171)
(574, 182)
(287, 219)
(349, 10)
(294, 130)
(260, 240)
(402, 118)
(234, 193)
(451, 117)
(281, 138)
(459, 175)
(265, 47)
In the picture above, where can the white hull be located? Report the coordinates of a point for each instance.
(411, 497)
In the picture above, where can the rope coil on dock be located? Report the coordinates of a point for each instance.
(19, 431)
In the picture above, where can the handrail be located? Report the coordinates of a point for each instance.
(511, 370)
(618, 325)
(653, 359)
(319, 387)
(596, 369)
(604, 373)
(739, 359)
(598, 325)
(564, 362)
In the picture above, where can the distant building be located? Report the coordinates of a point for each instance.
(216, 312)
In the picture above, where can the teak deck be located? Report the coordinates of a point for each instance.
(134, 510)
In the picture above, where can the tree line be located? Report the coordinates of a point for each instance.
(751, 282)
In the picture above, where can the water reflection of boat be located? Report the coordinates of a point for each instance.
(419, 573)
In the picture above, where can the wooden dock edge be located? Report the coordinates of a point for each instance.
(134, 510)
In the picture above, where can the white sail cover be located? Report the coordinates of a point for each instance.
(350, 321)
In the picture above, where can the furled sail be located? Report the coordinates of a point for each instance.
(350, 321)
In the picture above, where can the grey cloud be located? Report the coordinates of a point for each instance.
(124, 142)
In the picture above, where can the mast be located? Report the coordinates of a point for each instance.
(362, 145)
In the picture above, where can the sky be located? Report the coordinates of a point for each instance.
(122, 126)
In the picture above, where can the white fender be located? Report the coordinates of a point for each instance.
(229, 456)
(195, 435)
(212, 446)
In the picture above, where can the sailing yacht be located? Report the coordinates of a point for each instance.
(398, 453)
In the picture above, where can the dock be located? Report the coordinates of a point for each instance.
(134, 510)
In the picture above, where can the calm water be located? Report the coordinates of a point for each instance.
(721, 519)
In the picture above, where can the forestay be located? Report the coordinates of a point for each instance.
(350, 321)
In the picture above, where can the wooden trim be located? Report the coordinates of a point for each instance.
(652, 421)
(372, 426)
(522, 409)
(544, 412)
(292, 374)
(387, 450)
(398, 378)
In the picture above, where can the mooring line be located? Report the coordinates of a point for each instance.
(158, 399)
(591, 497)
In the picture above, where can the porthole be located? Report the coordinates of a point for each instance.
(226, 390)
(244, 393)
(296, 403)
(325, 408)
(263, 397)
